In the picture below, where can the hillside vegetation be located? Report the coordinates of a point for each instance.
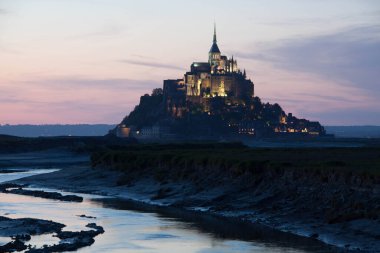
(332, 184)
(238, 159)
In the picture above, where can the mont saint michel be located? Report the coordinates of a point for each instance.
(145, 127)
(215, 99)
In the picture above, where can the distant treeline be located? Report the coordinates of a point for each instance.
(329, 185)
(102, 129)
(354, 131)
(238, 159)
(56, 130)
(13, 144)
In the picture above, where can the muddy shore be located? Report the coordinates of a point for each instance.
(228, 198)
(21, 231)
(360, 234)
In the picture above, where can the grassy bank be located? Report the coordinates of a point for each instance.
(239, 159)
(14, 144)
(328, 185)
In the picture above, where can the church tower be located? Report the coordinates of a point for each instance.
(214, 55)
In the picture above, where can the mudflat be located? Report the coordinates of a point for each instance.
(335, 202)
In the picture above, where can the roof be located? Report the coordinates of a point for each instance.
(214, 48)
(200, 67)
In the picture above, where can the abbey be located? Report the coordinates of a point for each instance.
(214, 100)
(219, 77)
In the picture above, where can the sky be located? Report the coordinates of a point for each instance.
(89, 61)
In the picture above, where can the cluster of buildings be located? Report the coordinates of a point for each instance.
(217, 86)
(291, 124)
(219, 77)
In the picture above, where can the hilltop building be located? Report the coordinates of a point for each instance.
(219, 77)
(213, 100)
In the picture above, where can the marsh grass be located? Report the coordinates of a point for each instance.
(239, 159)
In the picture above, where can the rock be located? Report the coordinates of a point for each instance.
(77, 240)
(23, 228)
(85, 216)
(4, 187)
(315, 235)
(23, 237)
(16, 245)
(45, 195)
(97, 228)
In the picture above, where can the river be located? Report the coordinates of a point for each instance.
(134, 228)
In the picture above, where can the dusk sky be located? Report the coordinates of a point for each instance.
(89, 61)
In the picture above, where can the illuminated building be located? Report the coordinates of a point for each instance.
(214, 99)
(219, 77)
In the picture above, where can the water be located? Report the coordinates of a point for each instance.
(25, 173)
(131, 227)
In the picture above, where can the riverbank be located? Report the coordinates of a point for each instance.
(45, 159)
(132, 226)
(332, 203)
(22, 230)
(120, 198)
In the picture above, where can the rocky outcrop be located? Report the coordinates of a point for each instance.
(17, 189)
(71, 241)
(21, 230)
(321, 193)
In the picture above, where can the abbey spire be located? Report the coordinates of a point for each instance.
(214, 48)
(214, 40)
(214, 53)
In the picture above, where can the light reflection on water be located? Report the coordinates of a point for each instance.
(128, 229)
(4, 240)
(27, 173)
(40, 240)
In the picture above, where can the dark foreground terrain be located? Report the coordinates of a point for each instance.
(329, 194)
(21, 231)
(13, 144)
(332, 194)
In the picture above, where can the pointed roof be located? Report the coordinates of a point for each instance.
(214, 40)
(214, 48)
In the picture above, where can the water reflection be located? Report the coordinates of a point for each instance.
(133, 227)
(4, 177)
(4, 240)
(222, 233)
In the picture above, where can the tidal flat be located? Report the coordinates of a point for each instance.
(132, 225)
(273, 200)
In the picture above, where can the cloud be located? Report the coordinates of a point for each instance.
(316, 21)
(350, 57)
(3, 11)
(71, 99)
(331, 77)
(152, 64)
(77, 90)
(357, 116)
(109, 84)
(105, 31)
(323, 97)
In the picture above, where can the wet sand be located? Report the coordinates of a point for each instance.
(86, 180)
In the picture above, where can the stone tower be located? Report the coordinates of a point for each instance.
(214, 55)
